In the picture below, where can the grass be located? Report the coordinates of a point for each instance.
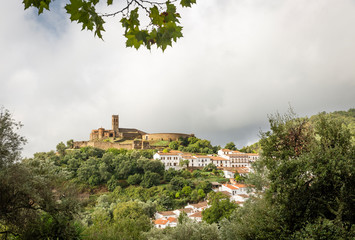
(161, 144)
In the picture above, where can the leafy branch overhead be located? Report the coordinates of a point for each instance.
(163, 27)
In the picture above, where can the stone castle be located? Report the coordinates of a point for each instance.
(127, 138)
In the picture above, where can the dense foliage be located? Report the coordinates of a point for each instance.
(305, 189)
(34, 204)
(194, 145)
(309, 185)
(162, 18)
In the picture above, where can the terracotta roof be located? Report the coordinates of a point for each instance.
(186, 210)
(167, 213)
(196, 214)
(167, 154)
(230, 186)
(200, 204)
(172, 219)
(237, 152)
(202, 156)
(240, 185)
(161, 221)
(226, 150)
(219, 158)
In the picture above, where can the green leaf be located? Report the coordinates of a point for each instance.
(155, 16)
(187, 3)
(109, 2)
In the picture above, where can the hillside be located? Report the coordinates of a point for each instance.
(346, 117)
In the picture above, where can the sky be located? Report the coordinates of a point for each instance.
(239, 60)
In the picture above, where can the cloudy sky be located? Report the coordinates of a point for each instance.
(239, 61)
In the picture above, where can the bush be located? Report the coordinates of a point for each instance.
(134, 179)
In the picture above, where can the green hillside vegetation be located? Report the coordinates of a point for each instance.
(346, 117)
(305, 183)
(194, 145)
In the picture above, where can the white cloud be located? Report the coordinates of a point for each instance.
(238, 61)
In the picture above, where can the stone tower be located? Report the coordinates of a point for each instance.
(115, 126)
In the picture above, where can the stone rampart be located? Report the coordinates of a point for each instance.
(103, 145)
(166, 136)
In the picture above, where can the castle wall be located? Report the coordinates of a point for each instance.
(106, 145)
(131, 136)
(102, 145)
(80, 144)
(166, 136)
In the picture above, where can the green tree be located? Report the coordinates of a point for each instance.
(230, 146)
(186, 230)
(70, 143)
(221, 207)
(174, 145)
(309, 176)
(163, 28)
(10, 141)
(61, 149)
(128, 222)
(34, 202)
(186, 191)
(177, 183)
(184, 163)
(150, 179)
(210, 167)
(134, 179)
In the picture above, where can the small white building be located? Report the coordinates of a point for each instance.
(188, 211)
(220, 161)
(165, 222)
(170, 159)
(198, 207)
(197, 216)
(165, 214)
(200, 161)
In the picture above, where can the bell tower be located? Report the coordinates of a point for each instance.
(115, 126)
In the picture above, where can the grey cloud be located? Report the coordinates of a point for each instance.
(238, 61)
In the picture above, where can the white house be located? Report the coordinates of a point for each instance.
(165, 222)
(198, 207)
(170, 159)
(226, 158)
(197, 216)
(234, 189)
(220, 161)
(188, 211)
(165, 214)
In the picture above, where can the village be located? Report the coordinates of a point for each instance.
(229, 161)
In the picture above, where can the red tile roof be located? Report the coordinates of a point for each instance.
(218, 159)
(196, 214)
(186, 210)
(172, 219)
(167, 213)
(200, 204)
(161, 221)
(230, 186)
